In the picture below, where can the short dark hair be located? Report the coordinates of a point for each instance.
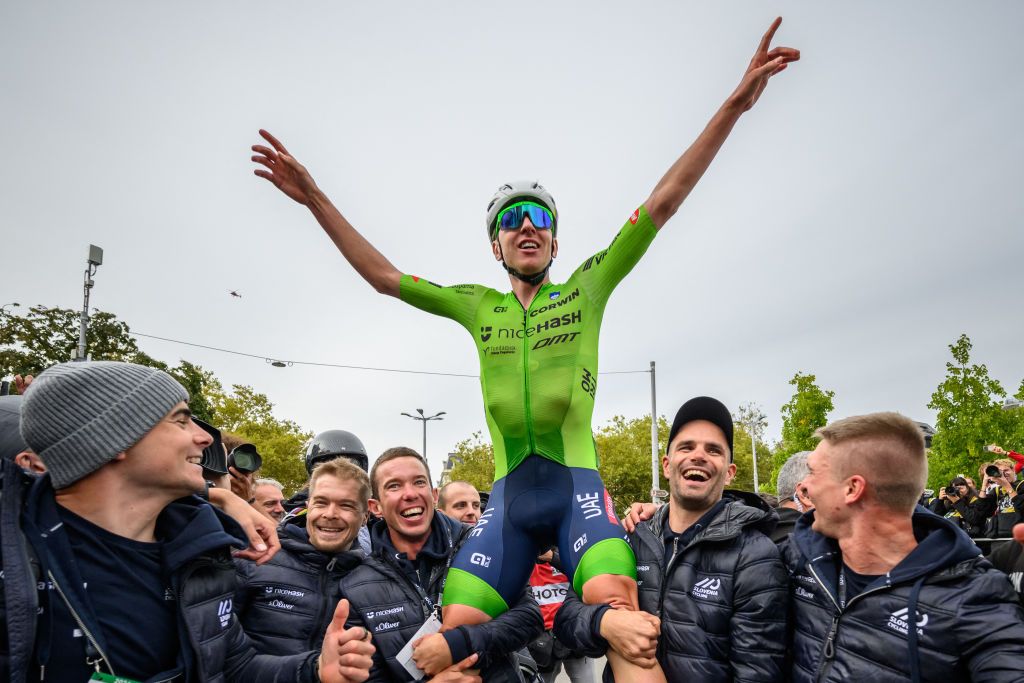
(441, 501)
(393, 454)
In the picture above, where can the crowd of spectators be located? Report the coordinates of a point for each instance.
(140, 544)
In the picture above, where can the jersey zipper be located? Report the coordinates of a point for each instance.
(526, 374)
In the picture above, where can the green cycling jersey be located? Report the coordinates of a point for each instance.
(538, 366)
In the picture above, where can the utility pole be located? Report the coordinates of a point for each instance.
(657, 494)
(95, 261)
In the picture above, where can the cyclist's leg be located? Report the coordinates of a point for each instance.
(600, 562)
(493, 565)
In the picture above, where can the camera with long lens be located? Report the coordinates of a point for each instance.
(214, 463)
(993, 471)
(245, 458)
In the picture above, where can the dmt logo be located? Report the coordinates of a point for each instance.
(898, 621)
(580, 542)
(224, 612)
(485, 333)
(707, 588)
(480, 559)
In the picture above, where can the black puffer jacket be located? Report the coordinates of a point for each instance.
(385, 600)
(196, 555)
(969, 626)
(286, 604)
(721, 598)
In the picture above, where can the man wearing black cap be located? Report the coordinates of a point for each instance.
(111, 567)
(704, 564)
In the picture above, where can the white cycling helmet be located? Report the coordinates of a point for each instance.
(509, 192)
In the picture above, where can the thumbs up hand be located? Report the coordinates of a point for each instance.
(347, 653)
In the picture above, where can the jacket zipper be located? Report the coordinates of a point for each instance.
(324, 576)
(828, 651)
(85, 629)
(664, 576)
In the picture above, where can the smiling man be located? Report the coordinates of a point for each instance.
(398, 587)
(138, 574)
(704, 563)
(286, 604)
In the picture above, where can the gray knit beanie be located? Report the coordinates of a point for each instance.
(78, 416)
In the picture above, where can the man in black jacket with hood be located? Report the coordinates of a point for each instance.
(881, 589)
(111, 568)
(398, 588)
(286, 604)
(705, 566)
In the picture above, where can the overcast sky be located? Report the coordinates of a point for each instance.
(861, 216)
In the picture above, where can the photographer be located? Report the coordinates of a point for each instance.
(1001, 498)
(958, 503)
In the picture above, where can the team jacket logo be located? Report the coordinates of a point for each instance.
(707, 588)
(224, 612)
(384, 612)
(485, 333)
(898, 621)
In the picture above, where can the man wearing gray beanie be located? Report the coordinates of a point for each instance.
(138, 575)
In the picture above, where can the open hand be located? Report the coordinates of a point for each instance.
(287, 174)
(260, 530)
(460, 673)
(763, 65)
(638, 512)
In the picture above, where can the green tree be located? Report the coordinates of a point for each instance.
(804, 414)
(474, 462)
(749, 418)
(281, 443)
(970, 415)
(624, 451)
(44, 336)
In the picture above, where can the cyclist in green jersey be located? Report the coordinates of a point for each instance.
(538, 355)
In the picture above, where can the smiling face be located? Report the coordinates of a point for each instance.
(405, 499)
(697, 466)
(334, 514)
(527, 249)
(165, 462)
(827, 490)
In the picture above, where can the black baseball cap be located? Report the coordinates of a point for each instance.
(703, 408)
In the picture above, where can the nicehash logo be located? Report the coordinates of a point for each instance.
(898, 621)
(707, 588)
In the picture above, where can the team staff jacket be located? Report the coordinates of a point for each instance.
(942, 614)
(721, 598)
(538, 366)
(214, 647)
(286, 604)
(385, 600)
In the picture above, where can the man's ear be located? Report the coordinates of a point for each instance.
(496, 250)
(433, 492)
(554, 247)
(374, 507)
(730, 473)
(856, 487)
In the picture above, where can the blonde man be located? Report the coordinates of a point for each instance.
(881, 589)
(283, 604)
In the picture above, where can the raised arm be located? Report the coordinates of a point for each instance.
(681, 178)
(292, 178)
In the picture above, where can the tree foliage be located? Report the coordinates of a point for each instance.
(624, 457)
(750, 419)
(281, 443)
(474, 462)
(805, 413)
(45, 336)
(970, 416)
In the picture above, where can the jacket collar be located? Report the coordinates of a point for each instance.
(742, 510)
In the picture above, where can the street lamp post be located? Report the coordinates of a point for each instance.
(424, 419)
